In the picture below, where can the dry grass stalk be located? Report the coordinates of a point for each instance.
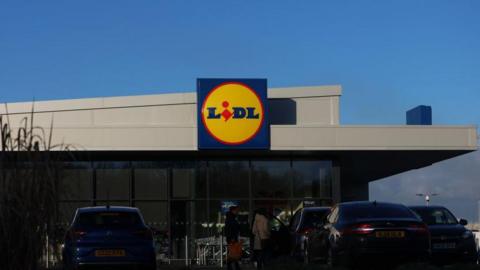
(29, 183)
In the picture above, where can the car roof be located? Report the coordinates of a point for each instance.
(369, 203)
(316, 208)
(413, 207)
(93, 209)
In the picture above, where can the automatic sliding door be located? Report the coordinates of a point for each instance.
(151, 197)
(181, 223)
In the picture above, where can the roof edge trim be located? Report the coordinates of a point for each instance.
(153, 100)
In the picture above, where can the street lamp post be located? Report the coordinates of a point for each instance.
(427, 197)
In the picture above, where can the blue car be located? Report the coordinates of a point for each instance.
(113, 236)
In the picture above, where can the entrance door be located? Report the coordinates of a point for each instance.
(179, 228)
(181, 182)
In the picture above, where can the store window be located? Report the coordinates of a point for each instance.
(112, 203)
(155, 214)
(182, 182)
(271, 179)
(113, 180)
(312, 178)
(76, 181)
(151, 180)
(67, 211)
(228, 179)
(201, 180)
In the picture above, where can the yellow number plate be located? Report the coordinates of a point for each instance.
(390, 234)
(110, 253)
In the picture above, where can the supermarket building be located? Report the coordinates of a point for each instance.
(144, 151)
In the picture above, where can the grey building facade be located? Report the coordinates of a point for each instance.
(142, 151)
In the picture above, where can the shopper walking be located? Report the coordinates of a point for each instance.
(232, 233)
(261, 242)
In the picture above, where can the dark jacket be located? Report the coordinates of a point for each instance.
(232, 228)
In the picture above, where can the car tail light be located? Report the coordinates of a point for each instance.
(144, 233)
(359, 229)
(419, 228)
(78, 234)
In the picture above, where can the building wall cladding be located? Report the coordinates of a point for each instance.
(166, 121)
(302, 118)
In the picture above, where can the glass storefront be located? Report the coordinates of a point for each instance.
(183, 200)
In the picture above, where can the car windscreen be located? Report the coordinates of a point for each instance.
(372, 211)
(108, 219)
(314, 218)
(436, 216)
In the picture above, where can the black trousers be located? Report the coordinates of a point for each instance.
(261, 257)
(233, 265)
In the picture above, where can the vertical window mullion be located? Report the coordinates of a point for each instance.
(291, 175)
(94, 186)
(207, 176)
(132, 184)
(250, 190)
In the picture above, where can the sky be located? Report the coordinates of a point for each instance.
(388, 56)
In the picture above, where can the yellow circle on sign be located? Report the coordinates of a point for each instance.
(232, 113)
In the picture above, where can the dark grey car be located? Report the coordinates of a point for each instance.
(304, 221)
(451, 241)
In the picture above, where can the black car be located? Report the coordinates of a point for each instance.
(451, 241)
(357, 232)
(304, 221)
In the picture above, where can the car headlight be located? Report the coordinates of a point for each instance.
(467, 234)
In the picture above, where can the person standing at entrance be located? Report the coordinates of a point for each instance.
(232, 233)
(261, 233)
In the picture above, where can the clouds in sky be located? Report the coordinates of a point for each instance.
(457, 181)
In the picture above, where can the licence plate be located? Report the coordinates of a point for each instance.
(110, 253)
(390, 234)
(444, 245)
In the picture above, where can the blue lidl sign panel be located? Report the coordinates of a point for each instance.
(232, 114)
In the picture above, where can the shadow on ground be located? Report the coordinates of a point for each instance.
(289, 265)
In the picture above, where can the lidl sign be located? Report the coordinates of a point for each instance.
(232, 113)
